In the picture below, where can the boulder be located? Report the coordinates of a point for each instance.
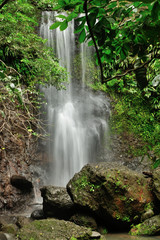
(112, 192)
(148, 214)
(22, 220)
(37, 214)
(149, 227)
(51, 229)
(84, 220)
(21, 183)
(57, 203)
(10, 228)
(96, 235)
(156, 182)
(2, 236)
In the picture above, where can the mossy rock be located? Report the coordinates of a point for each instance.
(10, 228)
(53, 229)
(149, 227)
(156, 182)
(111, 191)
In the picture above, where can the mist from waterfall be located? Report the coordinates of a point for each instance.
(76, 116)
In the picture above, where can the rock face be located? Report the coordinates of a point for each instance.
(51, 229)
(149, 227)
(57, 203)
(16, 153)
(156, 182)
(112, 192)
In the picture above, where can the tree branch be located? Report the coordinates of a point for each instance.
(128, 71)
(94, 41)
(4, 3)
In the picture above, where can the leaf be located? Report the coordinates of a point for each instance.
(64, 25)
(112, 82)
(156, 163)
(99, 2)
(92, 19)
(123, 53)
(80, 27)
(101, 39)
(30, 130)
(2, 75)
(90, 43)
(61, 16)
(82, 36)
(107, 51)
(71, 16)
(155, 11)
(55, 25)
(140, 39)
(1, 16)
(61, 2)
(112, 5)
(111, 20)
(3, 115)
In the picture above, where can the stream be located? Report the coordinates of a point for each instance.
(125, 236)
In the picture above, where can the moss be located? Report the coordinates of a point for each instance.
(126, 219)
(10, 228)
(53, 229)
(83, 182)
(142, 229)
(148, 206)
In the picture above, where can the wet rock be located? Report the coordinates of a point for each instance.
(57, 203)
(37, 214)
(51, 229)
(112, 192)
(2, 224)
(10, 228)
(149, 227)
(8, 236)
(21, 183)
(149, 213)
(156, 182)
(2, 236)
(96, 235)
(84, 220)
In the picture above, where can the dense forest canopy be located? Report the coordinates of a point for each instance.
(126, 35)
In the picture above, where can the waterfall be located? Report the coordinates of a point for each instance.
(76, 116)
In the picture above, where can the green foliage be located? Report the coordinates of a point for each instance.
(22, 49)
(134, 115)
(143, 229)
(45, 4)
(124, 32)
(25, 63)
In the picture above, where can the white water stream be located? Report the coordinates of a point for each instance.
(76, 116)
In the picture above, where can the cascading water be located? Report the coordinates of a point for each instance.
(76, 116)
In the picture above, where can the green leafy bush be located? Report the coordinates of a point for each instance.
(22, 49)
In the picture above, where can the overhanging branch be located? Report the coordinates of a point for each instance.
(4, 3)
(128, 71)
